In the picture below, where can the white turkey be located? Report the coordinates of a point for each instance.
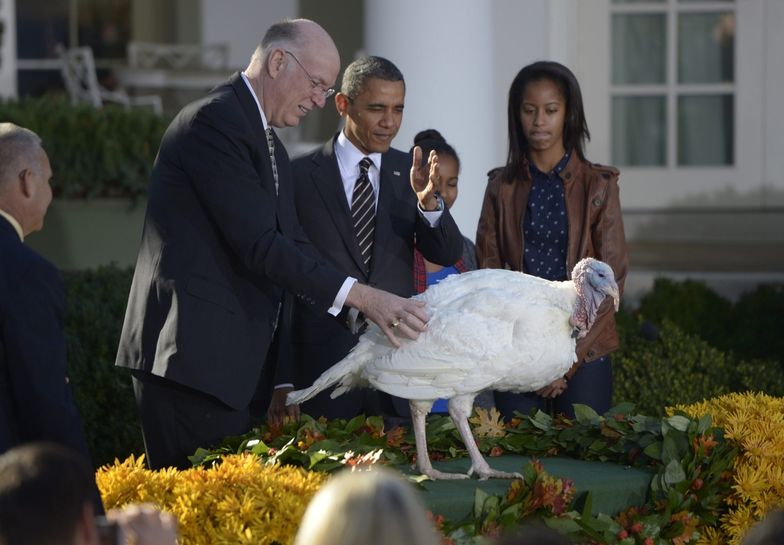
(489, 329)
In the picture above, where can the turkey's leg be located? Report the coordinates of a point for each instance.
(419, 410)
(460, 408)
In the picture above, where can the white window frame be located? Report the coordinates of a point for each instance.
(652, 188)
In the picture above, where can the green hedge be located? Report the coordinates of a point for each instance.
(656, 368)
(749, 328)
(95, 308)
(94, 152)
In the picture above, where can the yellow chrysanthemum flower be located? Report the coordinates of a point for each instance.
(240, 501)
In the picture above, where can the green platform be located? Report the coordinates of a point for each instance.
(613, 487)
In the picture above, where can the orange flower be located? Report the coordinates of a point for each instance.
(395, 436)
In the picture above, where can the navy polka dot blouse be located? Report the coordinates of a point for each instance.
(545, 225)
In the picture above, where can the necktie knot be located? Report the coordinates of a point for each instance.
(364, 165)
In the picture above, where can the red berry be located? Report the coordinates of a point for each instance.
(623, 534)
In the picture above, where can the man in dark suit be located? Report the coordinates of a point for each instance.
(220, 243)
(371, 103)
(35, 399)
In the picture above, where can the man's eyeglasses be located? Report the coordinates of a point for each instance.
(326, 91)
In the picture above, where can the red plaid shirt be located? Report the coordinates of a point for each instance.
(420, 274)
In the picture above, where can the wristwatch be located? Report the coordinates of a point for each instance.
(439, 205)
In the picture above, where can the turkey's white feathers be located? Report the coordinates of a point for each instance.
(489, 329)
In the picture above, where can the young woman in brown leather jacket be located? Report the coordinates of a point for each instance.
(547, 209)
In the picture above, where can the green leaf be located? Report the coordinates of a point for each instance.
(260, 448)
(316, 457)
(355, 423)
(564, 525)
(679, 422)
(480, 496)
(588, 507)
(674, 473)
(541, 420)
(669, 449)
(585, 414)
(704, 424)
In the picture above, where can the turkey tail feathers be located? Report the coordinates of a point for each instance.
(346, 371)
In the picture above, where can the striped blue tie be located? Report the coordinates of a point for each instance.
(363, 212)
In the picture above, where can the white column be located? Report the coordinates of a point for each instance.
(773, 83)
(8, 87)
(445, 50)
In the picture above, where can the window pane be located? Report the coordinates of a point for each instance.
(705, 130)
(639, 44)
(706, 47)
(639, 131)
(40, 25)
(105, 25)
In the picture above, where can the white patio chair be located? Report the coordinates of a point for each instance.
(178, 56)
(81, 81)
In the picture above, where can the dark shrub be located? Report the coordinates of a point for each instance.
(95, 308)
(94, 153)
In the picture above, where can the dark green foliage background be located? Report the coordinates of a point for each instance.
(94, 153)
(95, 310)
(685, 343)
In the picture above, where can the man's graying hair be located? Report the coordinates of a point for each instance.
(286, 33)
(19, 147)
(361, 70)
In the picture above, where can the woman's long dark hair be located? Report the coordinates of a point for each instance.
(575, 131)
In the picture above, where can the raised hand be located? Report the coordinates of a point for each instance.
(425, 179)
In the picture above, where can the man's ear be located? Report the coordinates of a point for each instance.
(276, 62)
(26, 182)
(341, 104)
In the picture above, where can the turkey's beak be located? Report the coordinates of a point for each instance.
(612, 291)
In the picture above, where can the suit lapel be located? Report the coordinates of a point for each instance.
(256, 127)
(329, 185)
(7, 230)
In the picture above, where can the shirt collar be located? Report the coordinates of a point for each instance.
(350, 155)
(253, 94)
(556, 170)
(15, 224)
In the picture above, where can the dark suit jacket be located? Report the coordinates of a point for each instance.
(318, 341)
(217, 247)
(35, 399)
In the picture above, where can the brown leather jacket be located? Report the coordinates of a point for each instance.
(595, 230)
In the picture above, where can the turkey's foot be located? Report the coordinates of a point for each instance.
(486, 472)
(440, 475)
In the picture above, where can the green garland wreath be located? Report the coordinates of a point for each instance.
(691, 462)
